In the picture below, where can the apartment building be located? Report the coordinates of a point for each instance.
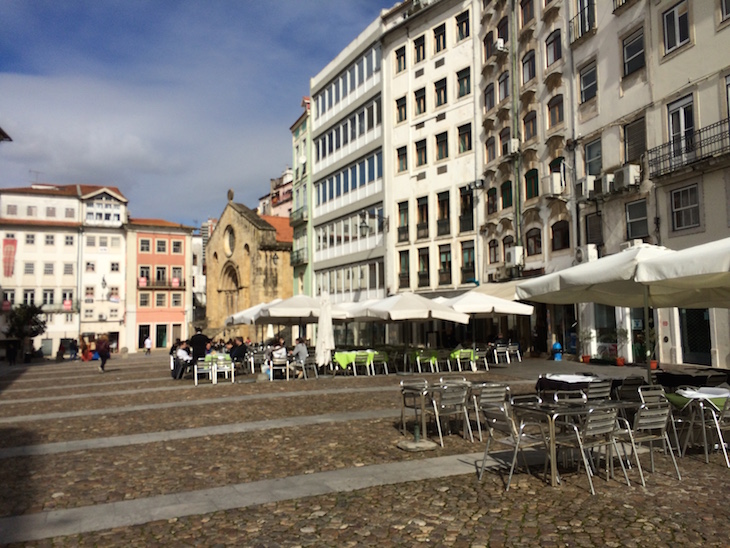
(301, 201)
(159, 277)
(348, 221)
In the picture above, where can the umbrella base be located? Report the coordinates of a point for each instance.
(415, 446)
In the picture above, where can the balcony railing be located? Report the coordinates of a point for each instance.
(171, 283)
(583, 23)
(64, 307)
(403, 233)
(423, 279)
(299, 257)
(422, 230)
(466, 223)
(443, 227)
(404, 280)
(690, 147)
(444, 277)
(298, 216)
(467, 274)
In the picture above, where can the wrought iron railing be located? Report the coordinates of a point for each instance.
(444, 277)
(299, 257)
(690, 147)
(298, 216)
(423, 279)
(403, 233)
(443, 227)
(422, 230)
(467, 274)
(583, 23)
(171, 283)
(404, 280)
(466, 223)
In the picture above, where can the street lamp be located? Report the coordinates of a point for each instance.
(365, 227)
(103, 282)
(275, 259)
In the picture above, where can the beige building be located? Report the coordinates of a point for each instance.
(248, 262)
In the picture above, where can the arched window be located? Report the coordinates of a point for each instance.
(503, 29)
(528, 66)
(503, 85)
(561, 235)
(488, 45)
(504, 137)
(491, 149)
(489, 98)
(493, 251)
(530, 123)
(534, 242)
(553, 47)
(506, 194)
(492, 200)
(508, 242)
(555, 110)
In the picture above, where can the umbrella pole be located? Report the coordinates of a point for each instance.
(647, 351)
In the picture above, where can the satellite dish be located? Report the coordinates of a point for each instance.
(302, 159)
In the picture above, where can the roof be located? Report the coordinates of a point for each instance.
(157, 223)
(284, 231)
(72, 191)
(29, 222)
(251, 216)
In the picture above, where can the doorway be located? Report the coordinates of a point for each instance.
(695, 329)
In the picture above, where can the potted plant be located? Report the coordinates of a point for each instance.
(585, 340)
(622, 338)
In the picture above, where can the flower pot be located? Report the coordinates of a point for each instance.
(653, 364)
(620, 361)
(585, 358)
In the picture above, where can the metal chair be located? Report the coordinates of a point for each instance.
(425, 360)
(362, 362)
(481, 356)
(598, 390)
(597, 430)
(227, 367)
(465, 361)
(653, 394)
(279, 364)
(502, 427)
(501, 350)
(413, 396)
(449, 400)
(650, 424)
(513, 349)
(201, 367)
(443, 360)
(379, 362)
(487, 394)
(722, 423)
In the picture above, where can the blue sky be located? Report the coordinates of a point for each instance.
(173, 101)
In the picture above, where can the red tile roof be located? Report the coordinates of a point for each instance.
(44, 189)
(284, 231)
(157, 222)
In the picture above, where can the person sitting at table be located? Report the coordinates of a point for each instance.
(238, 350)
(299, 355)
(183, 354)
(279, 350)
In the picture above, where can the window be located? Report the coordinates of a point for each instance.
(50, 239)
(103, 241)
(561, 235)
(508, 242)
(462, 26)
(144, 300)
(505, 191)
(68, 269)
(463, 77)
(634, 52)
(467, 262)
(503, 86)
(48, 269)
(420, 96)
(493, 251)
(403, 222)
(91, 241)
(530, 123)
(400, 109)
(70, 213)
(177, 246)
(160, 300)
(177, 273)
(681, 126)
(161, 246)
(29, 268)
(28, 297)
(637, 223)
(400, 59)
(588, 83)
(555, 110)
(634, 140)
(491, 149)
(419, 49)
(532, 184)
(144, 272)
(90, 266)
(144, 245)
(488, 45)
(402, 153)
(69, 240)
(464, 138)
(489, 97)
(421, 157)
(553, 47)
(161, 274)
(444, 264)
(685, 208)
(30, 211)
(404, 275)
(30, 239)
(528, 66)
(527, 10)
(114, 267)
(725, 4)
(534, 242)
(9, 296)
(423, 278)
(440, 88)
(48, 296)
(504, 137)
(176, 300)
(491, 201)
(439, 38)
(594, 232)
(12, 209)
(442, 146)
(593, 158)
(503, 29)
(50, 212)
(676, 27)
(443, 214)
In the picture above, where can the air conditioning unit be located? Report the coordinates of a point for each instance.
(102, 317)
(514, 256)
(628, 175)
(552, 183)
(585, 186)
(586, 253)
(604, 183)
(513, 147)
(500, 46)
(631, 243)
(502, 273)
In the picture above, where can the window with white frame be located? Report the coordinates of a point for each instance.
(9, 296)
(633, 47)
(462, 26)
(176, 300)
(177, 271)
(161, 246)
(12, 209)
(89, 292)
(29, 268)
(88, 313)
(676, 26)
(144, 300)
(464, 138)
(30, 239)
(503, 86)
(114, 313)
(685, 208)
(634, 140)
(116, 241)
(30, 211)
(637, 222)
(114, 267)
(553, 48)
(70, 213)
(103, 241)
(144, 245)
(555, 110)
(28, 297)
(50, 212)
(402, 153)
(68, 269)
(48, 269)
(50, 239)
(67, 295)
(91, 241)
(90, 266)
(48, 295)
(593, 158)
(160, 300)
(439, 38)
(113, 293)
(463, 78)
(588, 82)
(68, 240)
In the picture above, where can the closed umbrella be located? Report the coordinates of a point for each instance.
(325, 344)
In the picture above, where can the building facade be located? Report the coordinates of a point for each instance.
(300, 219)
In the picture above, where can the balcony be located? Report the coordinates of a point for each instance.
(423, 279)
(584, 23)
(704, 144)
(299, 257)
(443, 227)
(299, 216)
(466, 222)
(403, 233)
(404, 280)
(468, 274)
(64, 307)
(422, 230)
(444, 277)
(171, 283)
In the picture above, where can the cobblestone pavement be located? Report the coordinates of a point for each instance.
(56, 403)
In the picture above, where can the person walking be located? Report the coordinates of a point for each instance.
(102, 348)
(147, 345)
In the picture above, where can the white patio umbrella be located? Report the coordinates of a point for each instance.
(249, 315)
(296, 309)
(481, 304)
(325, 344)
(696, 277)
(410, 306)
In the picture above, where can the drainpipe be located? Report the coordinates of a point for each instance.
(515, 130)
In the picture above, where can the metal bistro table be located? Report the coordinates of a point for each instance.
(552, 411)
